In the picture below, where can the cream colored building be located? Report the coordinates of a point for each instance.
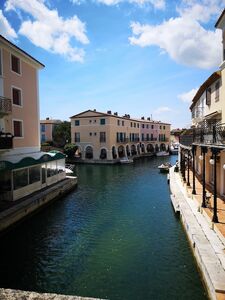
(107, 136)
(208, 134)
(23, 168)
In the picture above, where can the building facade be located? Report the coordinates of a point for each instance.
(23, 168)
(106, 136)
(203, 147)
(47, 127)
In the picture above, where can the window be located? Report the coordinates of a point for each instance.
(20, 178)
(15, 64)
(16, 95)
(147, 126)
(143, 125)
(95, 133)
(131, 124)
(208, 96)
(152, 126)
(122, 123)
(34, 174)
(160, 127)
(142, 137)
(102, 137)
(18, 128)
(90, 133)
(217, 86)
(42, 127)
(164, 127)
(77, 137)
(102, 121)
(138, 125)
(77, 122)
(118, 122)
(90, 121)
(135, 125)
(43, 138)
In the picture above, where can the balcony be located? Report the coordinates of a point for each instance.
(149, 139)
(5, 106)
(206, 135)
(6, 141)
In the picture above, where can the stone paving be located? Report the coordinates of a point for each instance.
(9, 294)
(207, 242)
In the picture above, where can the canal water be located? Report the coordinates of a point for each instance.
(114, 237)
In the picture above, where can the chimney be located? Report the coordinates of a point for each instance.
(47, 118)
(109, 112)
(115, 113)
(94, 109)
(148, 119)
(142, 118)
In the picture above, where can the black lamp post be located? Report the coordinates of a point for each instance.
(188, 169)
(215, 152)
(204, 151)
(193, 168)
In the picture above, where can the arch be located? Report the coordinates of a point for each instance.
(114, 152)
(156, 148)
(103, 153)
(133, 150)
(142, 148)
(121, 151)
(89, 152)
(78, 152)
(150, 148)
(128, 152)
(162, 147)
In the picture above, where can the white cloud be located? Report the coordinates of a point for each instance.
(158, 4)
(162, 110)
(48, 30)
(188, 96)
(5, 28)
(184, 38)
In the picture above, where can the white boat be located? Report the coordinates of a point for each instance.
(164, 168)
(174, 148)
(162, 153)
(126, 160)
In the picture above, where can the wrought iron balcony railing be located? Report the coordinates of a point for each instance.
(6, 141)
(5, 106)
(208, 135)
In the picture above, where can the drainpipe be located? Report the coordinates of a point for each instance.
(193, 168)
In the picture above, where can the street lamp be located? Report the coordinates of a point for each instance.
(211, 161)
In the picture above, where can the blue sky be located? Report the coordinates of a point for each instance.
(141, 57)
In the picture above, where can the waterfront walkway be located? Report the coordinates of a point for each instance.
(206, 239)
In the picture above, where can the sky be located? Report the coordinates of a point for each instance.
(138, 57)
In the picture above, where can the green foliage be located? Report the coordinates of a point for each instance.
(62, 134)
(70, 149)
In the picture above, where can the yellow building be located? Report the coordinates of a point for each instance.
(109, 137)
(204, 144)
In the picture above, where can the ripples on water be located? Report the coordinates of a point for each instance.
(114, 237)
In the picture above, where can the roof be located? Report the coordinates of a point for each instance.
(220, 18)
(21, 51)
(215, 76)
(50, 121)
(115, 116)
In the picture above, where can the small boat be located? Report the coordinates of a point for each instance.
(174, 148)
(162, 153)
(126, 160)
(69, 168)
(164, 168)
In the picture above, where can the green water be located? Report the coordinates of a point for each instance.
(114, 237)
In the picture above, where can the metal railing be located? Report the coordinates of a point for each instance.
(5, 105)
(208, 135)
(6, 140)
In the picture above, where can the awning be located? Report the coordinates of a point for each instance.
(26, 160)
(213, 114)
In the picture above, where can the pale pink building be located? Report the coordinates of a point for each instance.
(47, 127)
(23, 168)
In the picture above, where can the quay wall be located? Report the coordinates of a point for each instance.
(9, 294)
(206, 245)
(25, 207)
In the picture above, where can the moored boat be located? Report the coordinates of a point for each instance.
(162, 153)
(126, 160)
(164, 168)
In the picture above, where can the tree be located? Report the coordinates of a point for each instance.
(61, 134)
(70, 149)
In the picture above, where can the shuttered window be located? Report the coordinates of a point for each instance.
(208, 96)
